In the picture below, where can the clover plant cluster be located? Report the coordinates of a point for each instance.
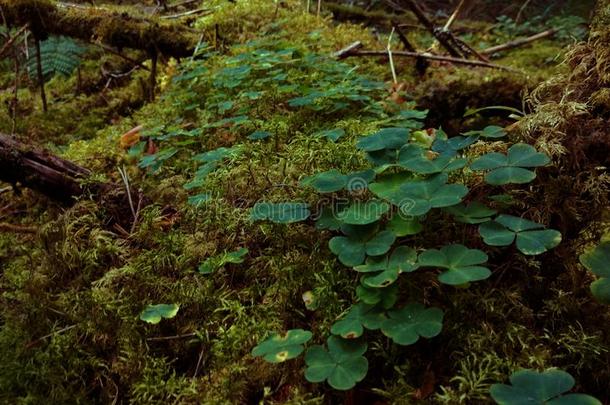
(412, 173)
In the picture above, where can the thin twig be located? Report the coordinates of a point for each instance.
(163, 338)
(518, 18)
(187, 13)
(198, 362)
(6, 227)
(454, 15)
(125, 178)
(10, 42)
(389, 48)
(431, 57)
(120, 55)
(34, 342)
(319, 7)
(519, 42)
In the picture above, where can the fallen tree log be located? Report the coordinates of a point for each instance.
(39, 170)
(114, 28)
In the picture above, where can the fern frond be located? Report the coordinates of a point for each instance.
(58, 55)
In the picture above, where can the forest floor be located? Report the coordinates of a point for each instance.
(261, 106)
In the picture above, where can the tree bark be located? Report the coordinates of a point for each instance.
(39, 170)
(121, 30)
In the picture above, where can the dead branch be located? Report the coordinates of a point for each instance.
(519, 42)
(449, 59)
(10, 42)
(6, 227)
(199, 11)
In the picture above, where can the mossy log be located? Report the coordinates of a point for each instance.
(115, 28)
(40, 170)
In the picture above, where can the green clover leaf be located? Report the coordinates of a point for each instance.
(422, 161)
(402, 226)
(473, 213)
(341, 365)
(359, 242)
(363, 213)
(531, 237)
(598, 262)
(402, 260)
(154, 313)
(281, 213)
(360, 316)
(331, 134)
(419, 197)
(404, 326)
(543, 388)
(386, 138)
(461, 264)
(386, 297)
(212, 264)
(332, 181)
(278, 348)
(511, 168)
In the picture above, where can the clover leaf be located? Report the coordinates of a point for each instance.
(341, 365)
(359, 242)
(363, 213)
(386, 138)
(281, 213)
(214, 263)
(462, 264)
(331, 134)
(404, 326)
(473, 213)
(422, 161)
(154, 313)
(386, 297)
(278, 348)
(491, 131)
(387, 268)
(402, 226)
(333, 180)
(360, 316)
(531, 237)
(257, 135)
(598, 261)
(453, 144)
(511, 168)
(419, 197)
(543, 388)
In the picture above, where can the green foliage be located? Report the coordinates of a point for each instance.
(279, 348)
(154, 313)
(386, 269)
(333, 181)
(405, 326)
(58, 55)
(461, 263)
(212, 264)
(473, 213)
(598, 262)
(533, 387)
(531, 237)
(360, 316)
(512, 167)
(360, 242)
(341, 365)
(281, 213)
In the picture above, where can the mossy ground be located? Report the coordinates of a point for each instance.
(72, 292)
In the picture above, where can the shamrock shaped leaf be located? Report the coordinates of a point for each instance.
(419, 197)
(473, 213)
(461, 264)
(214, 263)
(511, 168)
(402, 260)
(453, 144)
(281, 213)
(402, 226)
(422, 161)
(360, 316)
(543, 388)
(154, 313)
(386, 138)
(333, 180)
(404, 326)
(386, 297)
(363, 213)
(341, 365)
(331, 134)
(598, 261)
(359, 242)
(491, 131)
(532, 238)
(327, 219)
(278, 348)
(388, 185)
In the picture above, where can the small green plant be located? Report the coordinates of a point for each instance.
(154, 313)
(278, 348)
(212, 264)
(531, 237)
(532, 387)
(512, 167)
(598, 262)
(58, 55)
